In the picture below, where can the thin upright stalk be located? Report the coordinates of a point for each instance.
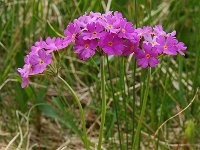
(134, 78)
(103, 105)
(85, 140)
(146, 92)
(115, 104)
(133, 103)
(122, 83)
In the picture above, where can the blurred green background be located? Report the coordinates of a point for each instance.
(44, 115)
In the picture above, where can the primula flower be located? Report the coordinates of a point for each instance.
(130, 47)
(166, 45)
(94, 30)
(38, 46)
(84, 20)
(158, 31)
(71, 32)
(25, 71)
(126, 30)
(85, 48)
(34, 63)
(111, 23)
(95, 16)
(144, 32)
(25, 82)
(27, 68)
(40, 61)
(181, 47)
(147, 56)
(111, 44)
(151, 39)
(53, 44)
(110, 32)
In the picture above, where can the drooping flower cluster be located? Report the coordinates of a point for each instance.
(109, 34)
(39, 57)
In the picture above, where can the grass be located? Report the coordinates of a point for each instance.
(45, 116)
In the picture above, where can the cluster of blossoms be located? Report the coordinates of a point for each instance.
(109, 34)
(155, 42)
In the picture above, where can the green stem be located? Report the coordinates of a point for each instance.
(103, 105)
(115, 104)
(85, 140)
(122, 83)
(134, 101)
(134, 78)
(137, 135)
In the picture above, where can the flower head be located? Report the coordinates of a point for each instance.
(111, 23)
(53, 44)
(130, 47)
(38, 46)
(166, 45)
(94, 31)
(85, 48)
(144, 32)
(71, 32)
(158, 31)
(111, 44)
(147, 56)
(39, 61)
(126, 30)
(35, 63)
(181, 47)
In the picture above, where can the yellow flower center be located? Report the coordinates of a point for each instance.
(41, 62)
(165, 47)
(123, 30)
(73, 36)
(110, 43)
(153, 42)
(110, 26)
(147, 56)
(94, 33)
(86, 46)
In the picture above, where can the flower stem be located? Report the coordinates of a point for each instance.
(85, 140)
(115, 105)
(103, 105)
(134, 101)
(122, 83)
(135, 143)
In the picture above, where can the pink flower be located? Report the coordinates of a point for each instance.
(129, 47)
(25, 82)
(38, 46)
(144, 32)
(94, 31)
(111, 44)
(40, 61)
(181, 47)
(147, 56)
(151, 39)
(71, 32)
(166, 45)
(126, 30)
(85, 48)
(158, 31)
(111, 23)
(53, 44)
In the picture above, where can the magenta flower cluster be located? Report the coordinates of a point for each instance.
(109, 34)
